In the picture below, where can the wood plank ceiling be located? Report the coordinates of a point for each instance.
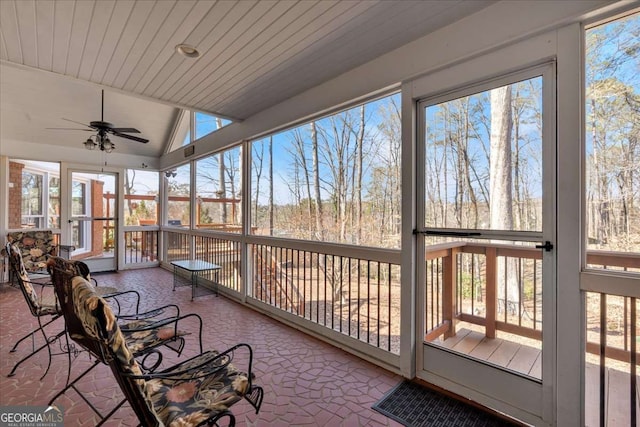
(254, 54)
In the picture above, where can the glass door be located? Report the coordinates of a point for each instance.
(486, 230)
(93, 219)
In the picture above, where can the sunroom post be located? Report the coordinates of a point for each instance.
(490, 286)
(449, 276)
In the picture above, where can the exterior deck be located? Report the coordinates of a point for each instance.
(522, 358)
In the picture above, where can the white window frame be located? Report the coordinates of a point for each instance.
(84, 227)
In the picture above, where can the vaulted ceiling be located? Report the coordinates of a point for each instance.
(254, 54)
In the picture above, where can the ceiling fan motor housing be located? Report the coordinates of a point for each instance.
(101, 125)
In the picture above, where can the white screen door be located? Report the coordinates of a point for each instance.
(93, 219)
(486, 229)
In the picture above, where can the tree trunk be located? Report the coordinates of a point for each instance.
(257, 164)
(501, 203)
(128, 188)
(358, 171)
(316, 183)
(222, 192)
(271, 186)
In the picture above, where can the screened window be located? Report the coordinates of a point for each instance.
(79, 201)
(205, 124)
(178, 183)
(218, 191)
(612, 139)
(141, 191)
(483, 156)
(335, 179)
(195, 125)
(34, 194)
(32, 199)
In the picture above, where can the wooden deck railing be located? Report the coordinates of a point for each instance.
(183, 245)
(463, 284)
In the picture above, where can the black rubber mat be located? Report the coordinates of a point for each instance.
(412, 405)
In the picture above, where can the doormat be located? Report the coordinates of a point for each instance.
(412, 405)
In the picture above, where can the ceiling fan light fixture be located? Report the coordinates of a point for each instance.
(106, 145)
(187, 51)
(89, 144)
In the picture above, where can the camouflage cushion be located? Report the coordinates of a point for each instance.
(40, 307)
(190, 400)
(140, 336)
(35, 247)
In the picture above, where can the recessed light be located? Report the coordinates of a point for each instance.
(188, 51)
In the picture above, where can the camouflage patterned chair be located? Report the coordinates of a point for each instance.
(35, 247)
(41, 304)
(198, 391)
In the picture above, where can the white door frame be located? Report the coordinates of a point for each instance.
(66, 171)
(533, 402)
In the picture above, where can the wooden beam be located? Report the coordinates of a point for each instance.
(437, 331)
(449, 291)
(519, 330)
(491, 280)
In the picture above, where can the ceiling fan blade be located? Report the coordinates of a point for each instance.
(78, 123)
(131, 137)
(86, 130)
(125, 130)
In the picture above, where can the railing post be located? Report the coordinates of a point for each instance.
(491, 283)
(449, 290)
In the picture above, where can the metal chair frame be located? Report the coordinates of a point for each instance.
(61, 268)
(99, 347)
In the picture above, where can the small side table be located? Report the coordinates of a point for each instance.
(194, 267)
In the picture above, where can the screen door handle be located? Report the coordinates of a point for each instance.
(547, 246)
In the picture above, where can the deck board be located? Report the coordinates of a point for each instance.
(528, 360)
(536, 369)
(451, 342)
(592, 396)
(470, 341)
(504, 353)
(524, 359)
(485, 348)
(618, 398)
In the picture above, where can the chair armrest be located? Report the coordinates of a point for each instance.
(151, 313)
(41, 292)
(167, 321)
(115, 295)
(43, 286)
(202, 365)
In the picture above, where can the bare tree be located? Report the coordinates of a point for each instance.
(316, 182)
(501, 201)
(300, 158)
(271, 213)
(358, 176)
(257, 160)
(128, 188)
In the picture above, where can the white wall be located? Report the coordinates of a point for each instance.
(44, 152)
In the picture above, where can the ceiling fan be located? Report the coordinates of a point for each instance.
(102, 129)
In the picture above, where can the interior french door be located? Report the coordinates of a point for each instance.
(93, 218)
(486, 232)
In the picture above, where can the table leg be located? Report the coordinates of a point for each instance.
(216, 274)
(175, 273)
(194, 283)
